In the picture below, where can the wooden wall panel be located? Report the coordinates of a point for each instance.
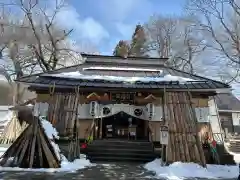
(83, 127)
(155, 125)
(200, 102)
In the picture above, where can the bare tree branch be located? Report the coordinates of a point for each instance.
(33, 40)
(221, 27)
(176, 38)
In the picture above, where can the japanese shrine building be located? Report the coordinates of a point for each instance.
(108, 94)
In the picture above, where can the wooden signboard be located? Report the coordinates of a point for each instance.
(164, 135)
(122, 97)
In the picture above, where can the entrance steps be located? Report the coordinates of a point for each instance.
(225, 157)
(120, 150)
(234, 144)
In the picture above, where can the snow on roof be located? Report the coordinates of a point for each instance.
(123, 69)
(78, 75)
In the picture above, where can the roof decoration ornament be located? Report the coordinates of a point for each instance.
(145, 100)
(150, 97)
(93, 97)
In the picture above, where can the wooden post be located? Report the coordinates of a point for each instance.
(164, 118)
(163, 139)
(101, 127)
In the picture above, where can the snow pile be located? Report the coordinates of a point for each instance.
(178, 170)
(50, 131)
(52, 134)
(78, 75)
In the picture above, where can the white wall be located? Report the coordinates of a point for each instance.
(236, 119)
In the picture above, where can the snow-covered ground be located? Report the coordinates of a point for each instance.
(65, 164)
(178, 171)
(175, 171)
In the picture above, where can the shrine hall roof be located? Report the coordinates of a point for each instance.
(115, 72)
(227, 102)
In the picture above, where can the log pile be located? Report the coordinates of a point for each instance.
(62, 112)
(32, 149)
(184, 144)
(13, 129)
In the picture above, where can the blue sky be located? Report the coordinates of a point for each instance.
(105, 22)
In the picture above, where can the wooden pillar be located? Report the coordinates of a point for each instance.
(100, 129)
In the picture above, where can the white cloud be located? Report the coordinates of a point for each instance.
(93, 30)
(87, 29)
(117, 10)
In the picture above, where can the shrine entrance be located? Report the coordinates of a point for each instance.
(124, 126)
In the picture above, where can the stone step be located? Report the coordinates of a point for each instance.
(119, 159)
(234, 146)
(121, 146)
(236, 150)
(120, 150)
(123, 154)
(121, 142)
(227, 159)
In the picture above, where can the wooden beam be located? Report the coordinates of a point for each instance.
(89, 89)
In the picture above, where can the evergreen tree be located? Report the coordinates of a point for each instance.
(137, 47)
(121, 49)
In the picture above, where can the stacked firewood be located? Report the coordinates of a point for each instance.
(184, 144)
(62, 112)
(13, 129)
(32, 149)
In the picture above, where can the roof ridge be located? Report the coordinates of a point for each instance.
(120, 57)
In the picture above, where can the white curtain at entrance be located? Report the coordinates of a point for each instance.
(84, 110)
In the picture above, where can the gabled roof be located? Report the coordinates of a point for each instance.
(227, 102)
(116, 72)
